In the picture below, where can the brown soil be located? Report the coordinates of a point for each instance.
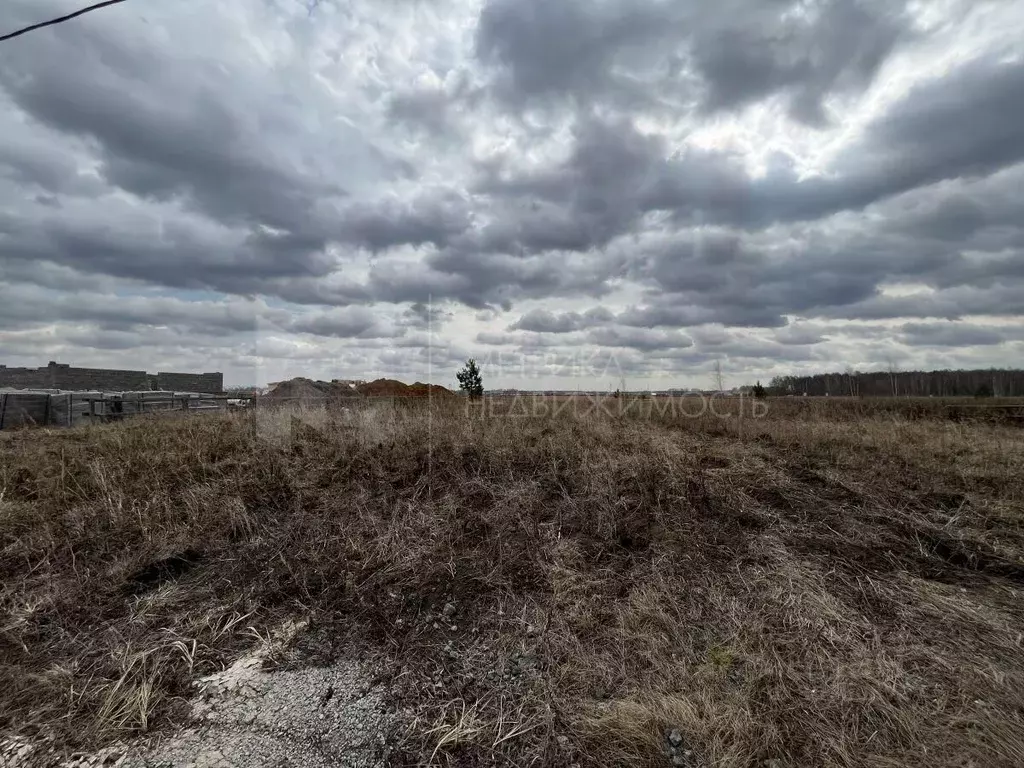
(392, 388)
(419, 389)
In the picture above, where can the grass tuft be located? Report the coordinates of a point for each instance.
(566, 588)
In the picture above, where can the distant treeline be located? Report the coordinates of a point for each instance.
(986, 383)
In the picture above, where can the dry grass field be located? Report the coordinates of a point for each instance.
(837, 586)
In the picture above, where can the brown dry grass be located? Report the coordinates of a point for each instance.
(819, 592)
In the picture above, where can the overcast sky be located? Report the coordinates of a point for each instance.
(600, 189)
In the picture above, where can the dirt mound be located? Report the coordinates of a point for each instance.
(384, 388)
(297, 389)
(392, 388)
(343, 388)
(307, 389)
(419, 389)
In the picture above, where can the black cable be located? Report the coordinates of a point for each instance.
(42, 24)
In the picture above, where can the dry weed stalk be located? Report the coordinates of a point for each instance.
(837, 588)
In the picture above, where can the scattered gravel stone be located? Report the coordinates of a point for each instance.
(15, 752)
(678, 751)
(253, 717)
(313, 717)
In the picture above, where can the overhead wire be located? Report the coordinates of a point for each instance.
(51, 22)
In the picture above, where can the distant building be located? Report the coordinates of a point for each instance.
(65, 377)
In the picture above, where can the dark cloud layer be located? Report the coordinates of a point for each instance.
(964, 126)
(619, 175)
(720, 55)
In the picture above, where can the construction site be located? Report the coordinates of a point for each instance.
(64, 408)
(308, 389)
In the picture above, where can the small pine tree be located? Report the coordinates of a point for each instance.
(985, 390)
(470, 380)
(759, 392)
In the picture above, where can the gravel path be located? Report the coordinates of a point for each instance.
(313, 717)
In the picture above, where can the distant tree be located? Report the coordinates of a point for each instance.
(759, 391)
(470, 380)
(887, 383)
(719, 380)
(853, 381)
(983, 390)
(894, 376)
